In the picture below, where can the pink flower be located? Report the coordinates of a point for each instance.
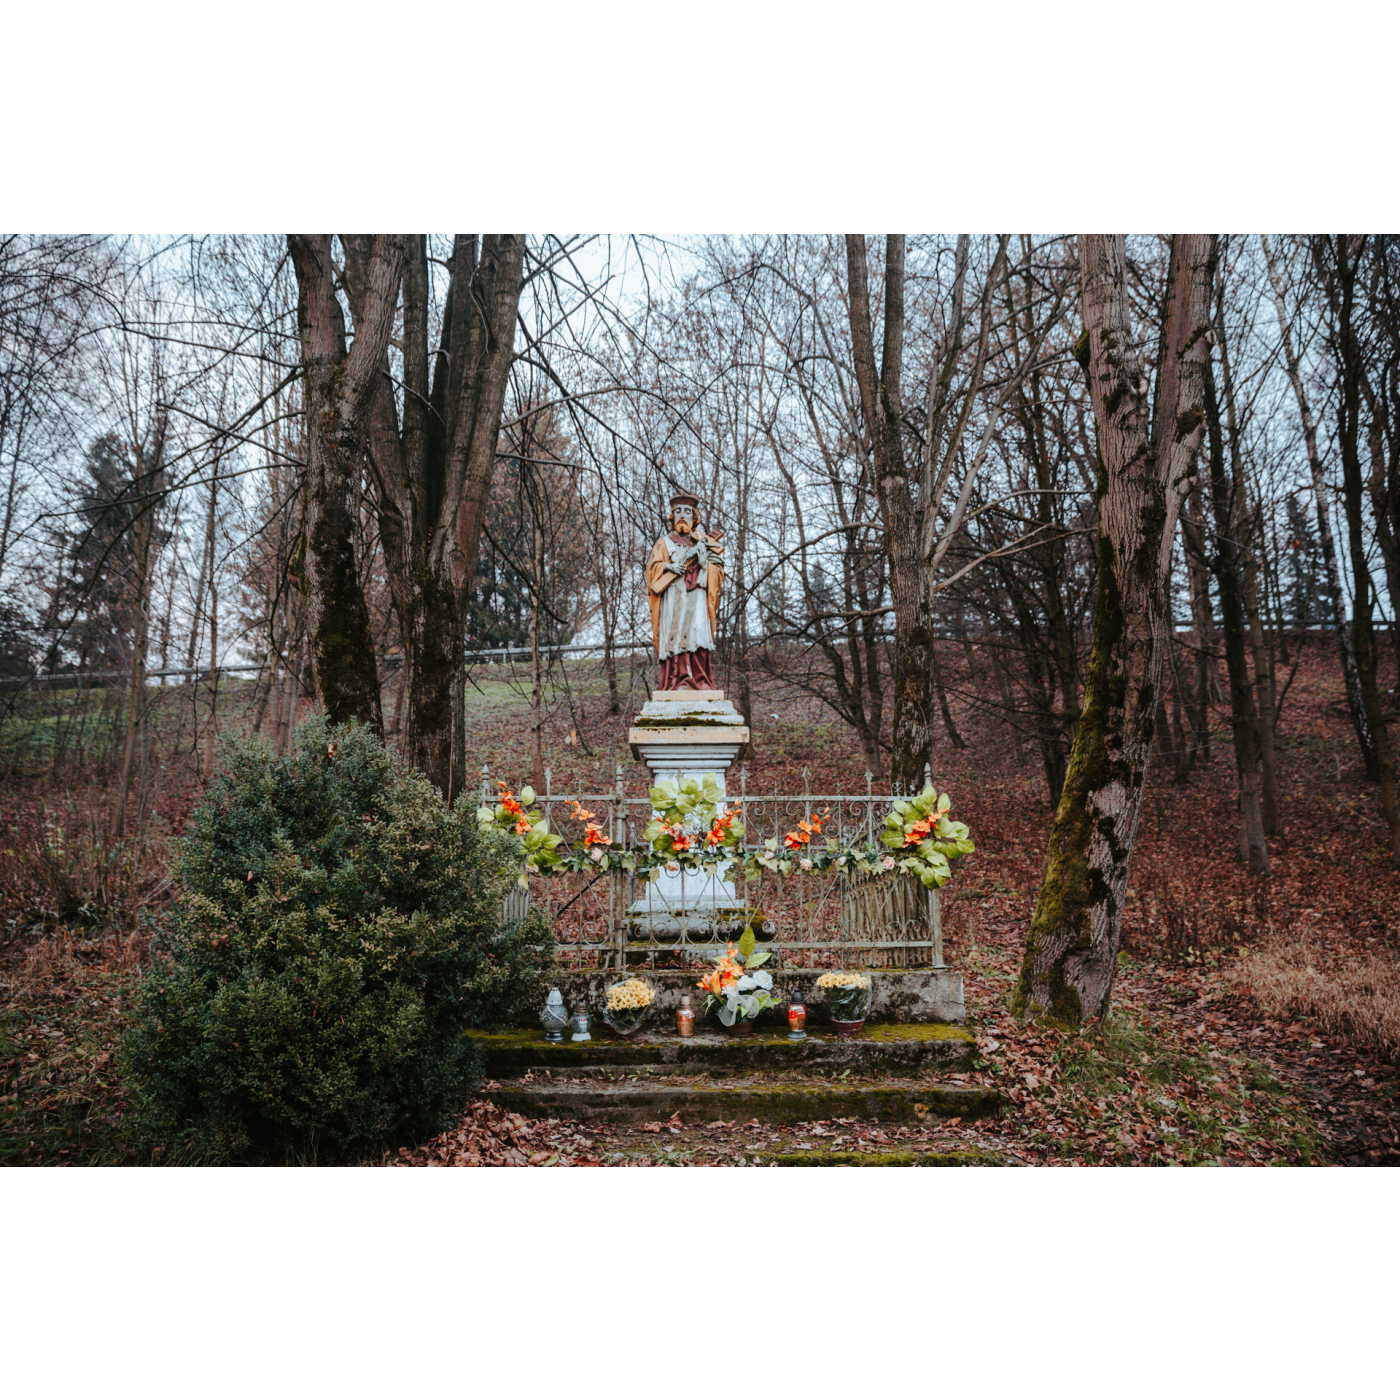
(672, 867)
(887, 862)
(805, 863)
(596, 853)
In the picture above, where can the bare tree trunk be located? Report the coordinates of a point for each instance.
(1350, 677)
(340, 387)
(291, 695)
(210, 732)
(1345, 252)
(1254, 850)
(144, 532)
(263, 692)
(396, 724)
(1263, 660)
(433, 473)
(1071, 952)
(136, 701)
(954, 738)
(536, 679)
(881, 405)
(1193, 533)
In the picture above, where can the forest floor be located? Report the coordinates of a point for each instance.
(1204, 1060)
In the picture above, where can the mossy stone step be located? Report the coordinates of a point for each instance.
(891, 1102)
(881, 1049)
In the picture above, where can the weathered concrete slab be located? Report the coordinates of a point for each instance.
(683, 735)
(901, 994)
(893, 1102)
(881, 1049)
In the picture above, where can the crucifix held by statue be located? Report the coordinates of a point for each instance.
(684, 572)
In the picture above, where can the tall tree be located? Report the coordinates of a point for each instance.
(1339, 259)
(1244, 714)
(1146, 467)
(1351, 677)
(432, 466)
(918, 532)
(342, 385)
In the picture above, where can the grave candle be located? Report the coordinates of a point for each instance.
(797, 1018)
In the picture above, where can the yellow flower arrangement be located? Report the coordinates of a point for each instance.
(632, 995)
(847, 996)
(828, 980)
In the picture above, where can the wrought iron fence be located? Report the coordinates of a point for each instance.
(834, 919)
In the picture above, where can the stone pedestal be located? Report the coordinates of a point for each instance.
(685, 734)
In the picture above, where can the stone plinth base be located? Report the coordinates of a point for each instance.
(897, 993)
(681, 733)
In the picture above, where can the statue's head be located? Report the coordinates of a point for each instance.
(684, 516)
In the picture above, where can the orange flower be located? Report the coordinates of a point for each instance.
(593, 834)
(726, 971)
(919, 830)
(522, 827)
(579, 812)
(508, 800)
(805, 831)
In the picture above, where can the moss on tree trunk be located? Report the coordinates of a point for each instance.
(434, 633)
(1072, 948)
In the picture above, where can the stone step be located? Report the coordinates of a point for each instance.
(880, 1049)
(891, 1101)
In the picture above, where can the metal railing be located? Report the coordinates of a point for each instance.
(833, 919)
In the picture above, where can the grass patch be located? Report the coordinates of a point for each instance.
(1357, 998)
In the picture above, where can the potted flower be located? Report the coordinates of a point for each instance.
(627, 1006)
(847, 996)
(737, 990)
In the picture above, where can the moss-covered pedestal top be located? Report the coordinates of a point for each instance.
(688, 717)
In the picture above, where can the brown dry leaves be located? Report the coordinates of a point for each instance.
(489, 1136)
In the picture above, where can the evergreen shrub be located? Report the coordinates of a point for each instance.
(336, 929)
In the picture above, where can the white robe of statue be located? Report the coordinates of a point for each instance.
(685, 612)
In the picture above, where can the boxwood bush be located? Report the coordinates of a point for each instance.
(336, 929)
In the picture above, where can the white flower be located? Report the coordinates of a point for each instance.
(596, 853)
(887, 862)
(805, 863)
(841, 862)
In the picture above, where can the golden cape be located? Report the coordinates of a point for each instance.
(659, 580)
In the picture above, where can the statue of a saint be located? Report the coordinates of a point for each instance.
(684, 573)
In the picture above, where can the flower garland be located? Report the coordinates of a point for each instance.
(539, 845)
(693, 830)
